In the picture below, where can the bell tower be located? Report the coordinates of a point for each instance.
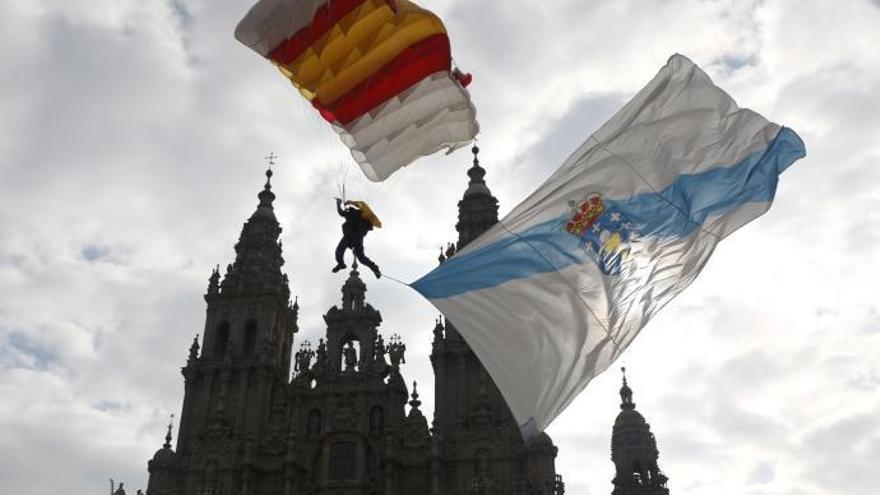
(240, 370)
(634, 451)
(482, 450)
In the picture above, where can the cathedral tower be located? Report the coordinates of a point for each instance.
(634, 451)
(232, 380)
(482, 449)
(339, 426)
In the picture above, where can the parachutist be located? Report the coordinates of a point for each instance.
(359, 220)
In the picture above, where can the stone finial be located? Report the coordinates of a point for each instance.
(266, 196)
(167, 443)
(450, 250)
(353, 291)
(213, 284)
(626, 394)
(415, 402)
(476, 174)
(194, 350)
(438, 329)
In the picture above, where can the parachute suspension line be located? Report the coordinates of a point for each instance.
(389, 277)
(387, 186)
(345, 179)
(341, 171)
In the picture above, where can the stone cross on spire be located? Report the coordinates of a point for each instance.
(270, 159)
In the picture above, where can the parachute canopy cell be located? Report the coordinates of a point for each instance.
(379, 71)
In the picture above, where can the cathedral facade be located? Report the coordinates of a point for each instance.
(345, 421)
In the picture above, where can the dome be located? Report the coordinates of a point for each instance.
(629, 417)
(477, 188)
(164, 456)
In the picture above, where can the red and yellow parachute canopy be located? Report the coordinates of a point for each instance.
(378, 70)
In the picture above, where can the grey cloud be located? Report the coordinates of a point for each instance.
(20, 350)
(181, 12)
(872, 327)
(844, 453)
(563, 135)
(736, 424)
(763, 473)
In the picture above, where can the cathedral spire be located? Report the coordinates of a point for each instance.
(478, 209)
(258, 260)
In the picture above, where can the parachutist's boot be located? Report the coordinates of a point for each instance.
(339, 266)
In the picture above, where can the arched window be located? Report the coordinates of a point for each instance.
(250, 337)
(313, 425)
(221, 339)
(637, 472)
(343, 461)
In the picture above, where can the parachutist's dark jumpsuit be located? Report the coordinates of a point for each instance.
(354, 229)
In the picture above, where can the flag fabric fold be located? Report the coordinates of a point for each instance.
(551, 295)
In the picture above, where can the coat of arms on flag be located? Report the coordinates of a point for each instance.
(606, 232)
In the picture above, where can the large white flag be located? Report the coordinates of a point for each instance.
(551, 295)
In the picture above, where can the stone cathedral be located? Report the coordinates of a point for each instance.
(346, 422)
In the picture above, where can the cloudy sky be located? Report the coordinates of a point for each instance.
(132, 137)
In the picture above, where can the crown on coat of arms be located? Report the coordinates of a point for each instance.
(585, 214)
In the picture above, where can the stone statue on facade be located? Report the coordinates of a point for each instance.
(322, 351)
(350, 355)
(303, 358)
(379, 349)
(120, 490)
(396, 351)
